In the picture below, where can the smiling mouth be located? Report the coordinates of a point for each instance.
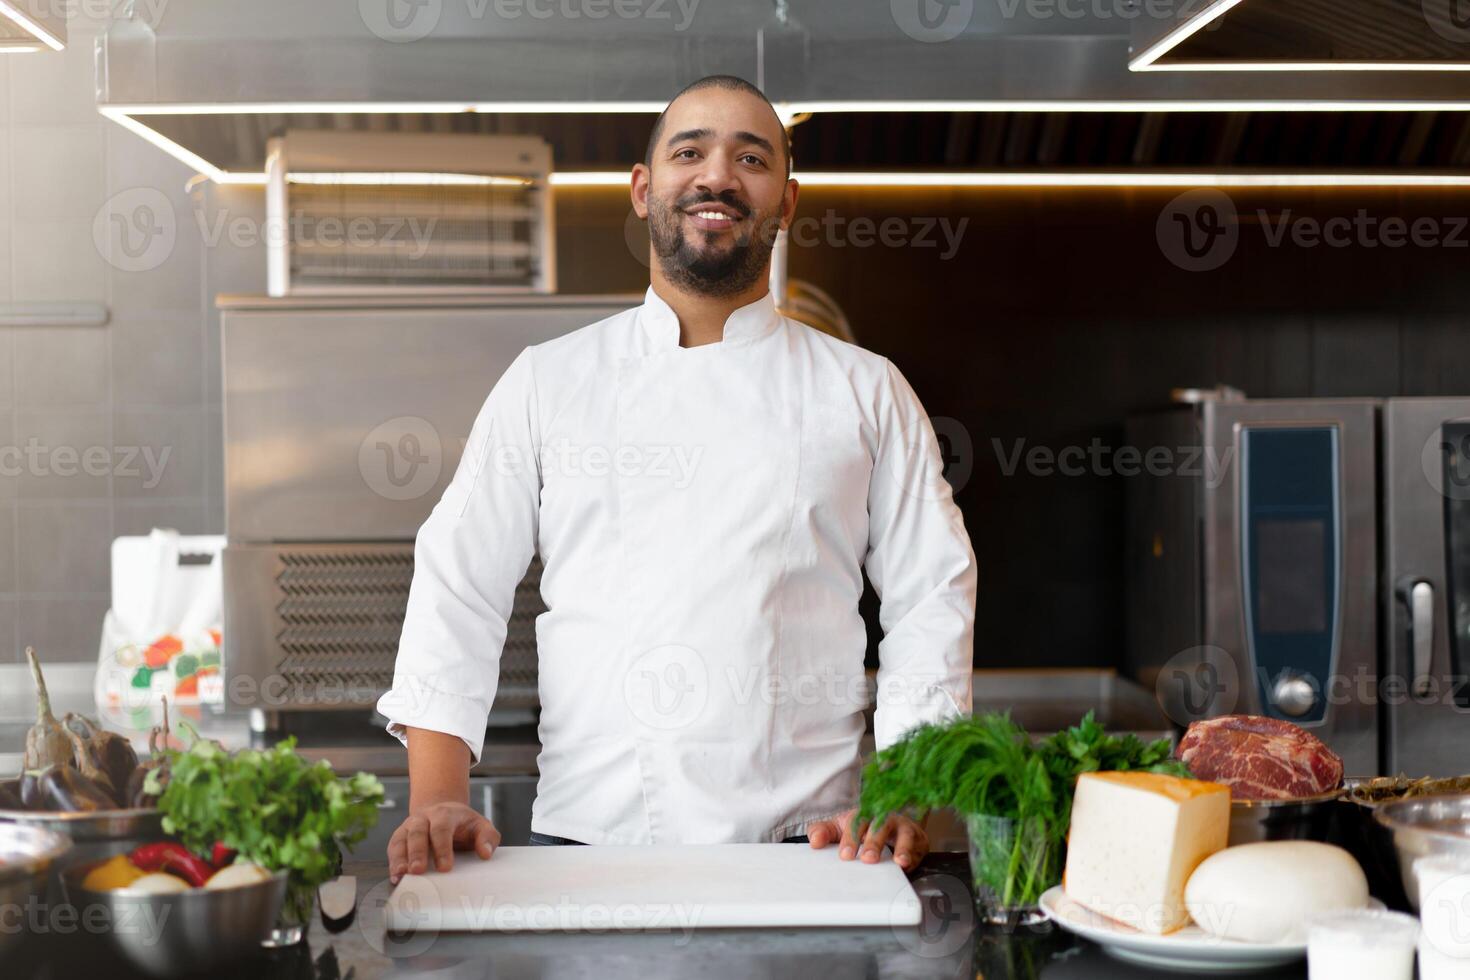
(713, 217)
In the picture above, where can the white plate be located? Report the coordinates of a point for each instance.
(1190, 948)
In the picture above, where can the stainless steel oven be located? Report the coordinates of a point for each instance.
(344, 419)
(1425, 699)
(1251, 564)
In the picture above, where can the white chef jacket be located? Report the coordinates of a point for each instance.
(703, 515)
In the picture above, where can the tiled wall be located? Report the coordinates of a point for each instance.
(137, 384)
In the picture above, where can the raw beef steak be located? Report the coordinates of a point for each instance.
(1259, 758)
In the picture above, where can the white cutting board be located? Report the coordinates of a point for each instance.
(675, 887)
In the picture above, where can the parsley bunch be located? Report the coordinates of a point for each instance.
(272, 806)
(987, 765)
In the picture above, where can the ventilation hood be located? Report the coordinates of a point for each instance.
(212, 82)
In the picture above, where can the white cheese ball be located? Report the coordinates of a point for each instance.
(1263, 893)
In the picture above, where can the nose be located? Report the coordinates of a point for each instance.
(717, 175)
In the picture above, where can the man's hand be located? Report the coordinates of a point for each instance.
(909, 841)
(438, 831)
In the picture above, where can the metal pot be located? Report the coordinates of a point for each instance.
(26, 857)
(171, 935)
(1306, 818)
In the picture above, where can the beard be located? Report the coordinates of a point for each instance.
(694, 263)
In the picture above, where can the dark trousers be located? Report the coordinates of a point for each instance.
(548, 839)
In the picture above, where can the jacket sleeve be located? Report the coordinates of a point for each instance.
(922, 566)
(469, 556)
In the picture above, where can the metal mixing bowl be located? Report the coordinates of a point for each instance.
(99, 834)
(182, 933)
(1307, 818)
(1425, 826)
(26, 856)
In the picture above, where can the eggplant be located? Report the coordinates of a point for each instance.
(109, 752)
(10, 795)
(47, 743)
(30, 789)
(87, 766)
(67, 789)
(135, 795)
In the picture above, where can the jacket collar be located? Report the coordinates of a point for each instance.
(749, 323)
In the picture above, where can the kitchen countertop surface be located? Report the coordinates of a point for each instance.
(948, 944)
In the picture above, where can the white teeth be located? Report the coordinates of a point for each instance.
(713, 215)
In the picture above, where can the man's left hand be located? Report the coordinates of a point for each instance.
(909, 841)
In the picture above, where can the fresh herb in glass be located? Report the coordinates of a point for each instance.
(1015, 794)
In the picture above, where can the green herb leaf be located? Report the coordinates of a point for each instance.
(271, 805)
(987, 764)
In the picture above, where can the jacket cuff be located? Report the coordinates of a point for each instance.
(417, 706)
(928, 705)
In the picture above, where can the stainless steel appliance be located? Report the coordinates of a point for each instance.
(344, 420)
(1252, 570)
(1426, 586)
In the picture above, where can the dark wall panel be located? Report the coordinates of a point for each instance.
(1060, 312)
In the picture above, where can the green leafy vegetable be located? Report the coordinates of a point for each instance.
(987, 766)
(272, 806)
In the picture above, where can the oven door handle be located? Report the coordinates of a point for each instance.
(1418, 595)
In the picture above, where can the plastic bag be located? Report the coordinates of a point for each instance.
(161, 638)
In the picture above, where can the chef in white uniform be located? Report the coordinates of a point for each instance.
(705, 481)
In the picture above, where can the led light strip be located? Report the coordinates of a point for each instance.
(1308, 66)
(126, 116)
(406, 179)
(11, 12)
(619, 178)
(1145, 59)
(1053, 179)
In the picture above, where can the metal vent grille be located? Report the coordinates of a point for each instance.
(442, 236)
(340, 614)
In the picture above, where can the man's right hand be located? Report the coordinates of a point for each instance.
(436, 832)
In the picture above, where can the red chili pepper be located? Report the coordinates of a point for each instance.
(149, 857)
(221, 855)
(174, 857)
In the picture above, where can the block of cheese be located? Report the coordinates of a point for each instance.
(1135, 839)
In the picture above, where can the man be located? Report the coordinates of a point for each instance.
(705, 481)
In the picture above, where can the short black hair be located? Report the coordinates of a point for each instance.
(730, 83)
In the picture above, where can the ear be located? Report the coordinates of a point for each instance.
(638, 189)
(788, 203)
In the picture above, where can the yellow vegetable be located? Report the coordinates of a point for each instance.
(115, 872)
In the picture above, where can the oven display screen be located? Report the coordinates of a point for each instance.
(1291, 585)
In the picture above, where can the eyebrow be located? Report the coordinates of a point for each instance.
(704, 133)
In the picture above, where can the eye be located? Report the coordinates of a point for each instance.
(679, 154)
(757, 161)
